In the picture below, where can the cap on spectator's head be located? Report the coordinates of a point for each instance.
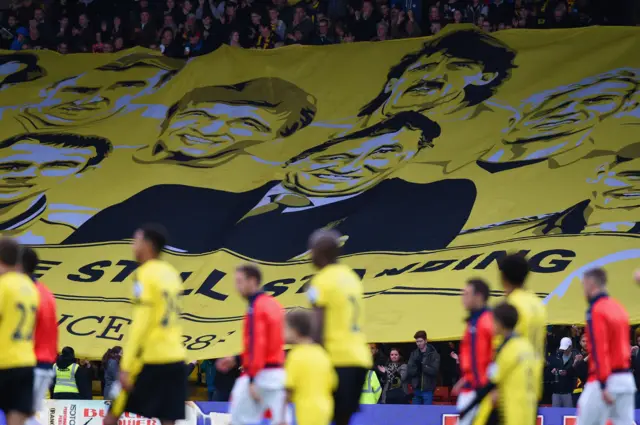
(23, 31)
(565, 343)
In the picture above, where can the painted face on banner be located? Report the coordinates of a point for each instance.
(353, 166)
(208, 134)
(10, 68)
(29, 168)
(434, 83)
(92, 96)
(618, 183)
(561, 122)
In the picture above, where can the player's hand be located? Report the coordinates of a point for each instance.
(109, 419)
(494, 397)
(457, 387)
(636, 276)
(606, 396)
(125, 381)
(225, 364)
(253, 392)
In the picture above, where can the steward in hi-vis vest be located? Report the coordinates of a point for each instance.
(65, 385)
(371, 390)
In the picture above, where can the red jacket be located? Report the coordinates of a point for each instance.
(263, 335)
(476, 350)
(607, 338)
(46, 332)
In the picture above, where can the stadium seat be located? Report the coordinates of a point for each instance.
(441, 395)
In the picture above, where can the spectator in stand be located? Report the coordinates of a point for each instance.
(63, 48)
(111, 366)
(580, 369)
(234, 39)
(475, 10)
(302, 24)
(21, 39)
(208, 367)
(72, 381)
(364, 22)
(395, 386)
(423, 367)
(322, 36)
(382, 32)
(561, 366)
(83, 36)
(145, 33)
(379, 360)
(35, 42)
(403, 27)
(223, 383)
(266, 39)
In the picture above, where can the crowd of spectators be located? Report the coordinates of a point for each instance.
(187, 28)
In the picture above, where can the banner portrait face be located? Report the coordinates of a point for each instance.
(451, 153)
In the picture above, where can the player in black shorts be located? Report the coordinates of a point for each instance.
(18, 307)
(336, 295)
(153, 372)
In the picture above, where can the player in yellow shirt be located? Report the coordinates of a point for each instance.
(532, 314)
(19, 302)
(311, 378)
(512, 382)
(154, 350)
(336, 295)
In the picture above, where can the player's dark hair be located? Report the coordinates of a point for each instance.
(597, 274)
(506, 315)
(514, 269)
(9, 252)
(251, 271)
(300, 321)
(29, 260)
(420, 334)
(480, 287)
(156, 235)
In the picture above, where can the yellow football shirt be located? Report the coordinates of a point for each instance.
(532, 325)
(513, 373)
(155, 336)
(338, 290)
(19, 302)
(312, 380)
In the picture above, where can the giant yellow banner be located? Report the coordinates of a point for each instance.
(433, 157)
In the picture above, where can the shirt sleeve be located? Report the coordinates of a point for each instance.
(140, 324)
(290, 372)
(500, 368)
(257, 339)
(600, 345)
(483, 350)
(318, 292)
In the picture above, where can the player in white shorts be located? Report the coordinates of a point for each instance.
(262, 384)
(610, 390)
